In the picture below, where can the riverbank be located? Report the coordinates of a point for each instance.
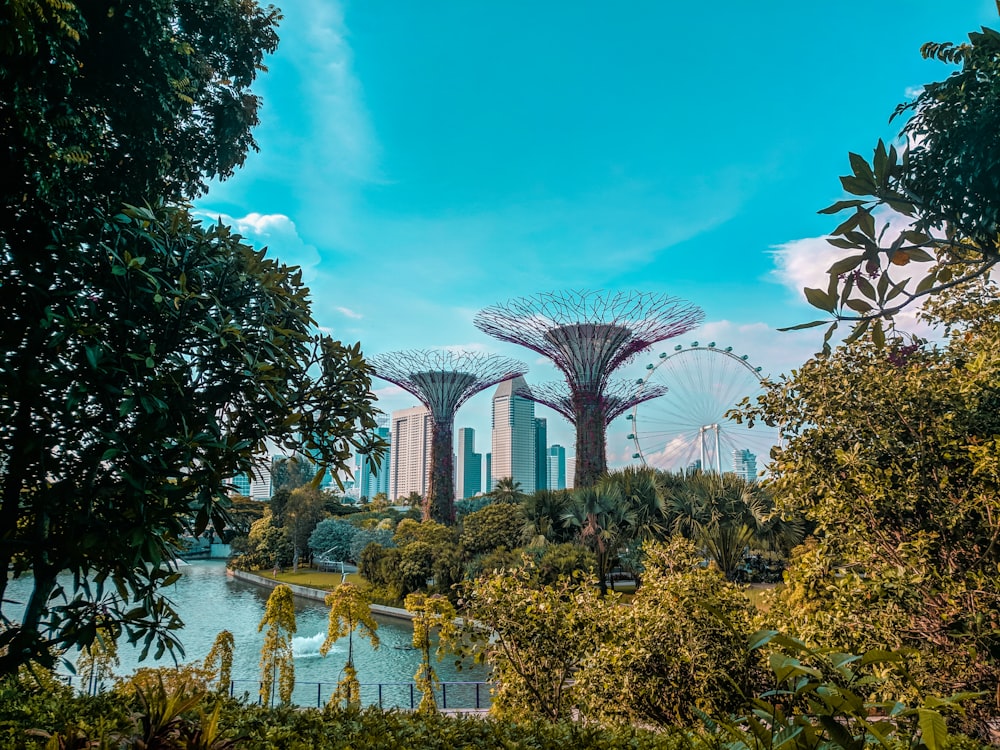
(306, 592)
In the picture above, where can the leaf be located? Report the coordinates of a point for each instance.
(841, 205)
(878, 335)
(861, 169)
(933, 730)
(845, 264)
(799, 327)
(854, 186)
(819, 298)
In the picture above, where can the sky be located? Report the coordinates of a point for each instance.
(423, 160)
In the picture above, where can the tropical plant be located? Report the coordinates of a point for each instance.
(938, 186)
(276, 658)
(349, 610)
(537, 639)
(496, 525)
(430, 613)
(507, 490)
(98, 661)
(603, 523)
(221, 653)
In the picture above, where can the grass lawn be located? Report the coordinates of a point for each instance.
(314, 579)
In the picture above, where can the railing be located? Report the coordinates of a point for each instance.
(449, 695)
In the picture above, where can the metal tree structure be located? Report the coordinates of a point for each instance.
(442, 381)
(589, 335)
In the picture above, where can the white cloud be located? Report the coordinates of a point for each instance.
(278, 233)
(349, 313)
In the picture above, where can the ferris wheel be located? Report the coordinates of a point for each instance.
(687, 426)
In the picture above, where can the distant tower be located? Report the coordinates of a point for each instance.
(541, 454)
(745, 464)
(514, 434)
(410, 458)
(589, 335)
(488, 472)
(556, 464)
(443, 381)
(468, 465)
(570, 471)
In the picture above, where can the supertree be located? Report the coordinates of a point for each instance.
(443, 380)
(589, 335)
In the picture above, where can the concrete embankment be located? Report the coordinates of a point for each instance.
(309, 593)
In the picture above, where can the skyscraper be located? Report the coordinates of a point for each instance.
(514, 434)
(745, 464)
(468, 465)
(570, 472)
(541, 454)
(488, 472)
(370, 481)
(556, 465)
(409, 465)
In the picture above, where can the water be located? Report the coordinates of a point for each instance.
(209, 601)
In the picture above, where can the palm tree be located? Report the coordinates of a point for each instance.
(543, 512)
(603, 523)
(727, 515)
(506, 490)
(643, 503)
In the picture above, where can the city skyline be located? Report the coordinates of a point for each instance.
(682, 150)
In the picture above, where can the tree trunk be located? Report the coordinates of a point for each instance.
(591, 451)
(439, 505)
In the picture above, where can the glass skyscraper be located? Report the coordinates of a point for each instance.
(468, 465)
(514, 435)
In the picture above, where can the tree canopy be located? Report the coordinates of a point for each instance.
(932, 201)
(144, 358)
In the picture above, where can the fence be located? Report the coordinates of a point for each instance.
(449, 695)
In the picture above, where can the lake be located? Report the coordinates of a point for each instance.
(209, 601)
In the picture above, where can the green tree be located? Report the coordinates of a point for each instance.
(291, 473)
(433, 533)
(349, 610)
(430, 613)
(506, 490)
(537, 640)
(892, 453)
(333, 538)
(603, 524)
(543, 511)
(941, 185)
(276, 658)
(677, 650)
(305, 509)
(496, 525)
(98, 661)
(152, 355)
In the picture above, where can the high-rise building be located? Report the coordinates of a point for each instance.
(556, 465)
(514, 434)
(488, 472)
(260, 479)
(369, 481)
(541, 454)
(745, 464)
(409, 465)
(241, 484)
(468, 465)
(570, 472)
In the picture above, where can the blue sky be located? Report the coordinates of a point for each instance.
(423, 160)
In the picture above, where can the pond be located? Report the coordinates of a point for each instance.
(209, 601)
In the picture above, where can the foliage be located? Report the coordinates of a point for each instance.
(276, 653)
(430, 613)
(431, 532)
(544, 512)
(152, 355)
(305, 509)
(291, 473)
(349, 610)
(555, 561)
(506, 490)
(415, 565)
(823, 698)
(98, 661)
(221, 652)
(941, 186)
(363, 537)
(537, 639)
(892, 454)
(679, 649)
(496, 525)
(107, 720)
(728, 515)
(603, 523)
(333, 538)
